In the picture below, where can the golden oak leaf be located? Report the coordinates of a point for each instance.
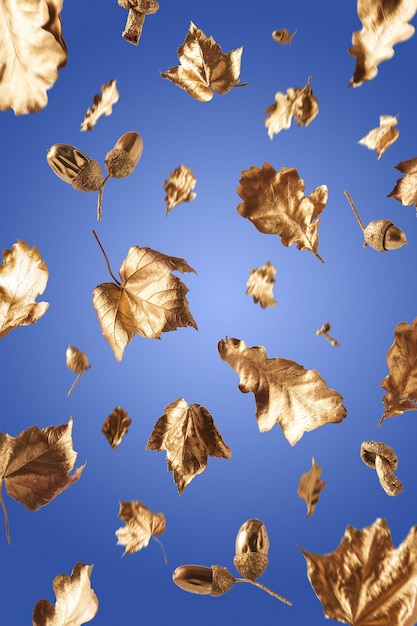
(189, 435)
(35, 465)
(77, 361)
(283, 36)
(260, 284)
(285, 393)
(204, 67)
(298, 103)
(148, 301)
(32, 50)
(141, 525)
(384, 24)
(116, 426)
(310, 487)
(401, 382)
(179, 187)
(23, 277)
(366, 581)
(380, 139)
(405, 190)
(76, 602)
(102, 105)
(275, 203)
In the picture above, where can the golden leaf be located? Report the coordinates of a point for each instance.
(260, 284)
(77, 361)
(35, 465)
(275, 203)
(204, 68)
(76, 602)
(283, 36)
(310, 487)
(384, 24)
(401, 382)
(138, 9)
(141, 524)
(189, 435)
(298, 103)
(380, 139)
(148, 301)
(116, 426)
(179, 187)
(285, 393)
(102, 105)
(405, 190)
(366, 581)
(32, 50)
(23, 277)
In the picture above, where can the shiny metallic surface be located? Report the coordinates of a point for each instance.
(66, 161)
(252, 537)
(194, 578)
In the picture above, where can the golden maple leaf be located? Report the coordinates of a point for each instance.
(204, 67)
(260, 284)
(32, 50)
(384, 24)
(310, 487)
(189, 435)
(179, 187)
(102, 105)
(380, 139)
(116, 426)
(285, 393)
(77, 361)
(23, 277)
(405, 190)
(275, 203)
(76, 602)
(298, 103)
(366, 581)
(141, 525)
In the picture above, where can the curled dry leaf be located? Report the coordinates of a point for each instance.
(285, 393)
(138, 9)
(102, 105)
(141, 525)
(189, 435)
(275, 203)
(23, 277)
(32, 50)
(380, 139)
(384, 24)
(76, 602)
(116, 426)
(283, 36)
(401, 382)
(405, 190)
(298, 103)
(310, 487)
(260, 285)
(366, 581)
(204, 67)
(179, 187)
(77, 361)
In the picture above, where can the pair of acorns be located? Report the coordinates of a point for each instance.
(84, 174)
(251, 560)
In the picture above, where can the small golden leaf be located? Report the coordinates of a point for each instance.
(260, 285)
(380, 139)
(310, 487)
(299, 103)
(405, 190)
(179, 187)
(116, 426)
(102, 105)
(141, 525)
(283, 36)
(77, 361)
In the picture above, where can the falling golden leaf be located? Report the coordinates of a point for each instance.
(380, 139)
(283, 36)
(366, 581)
(260, 284)
(138, 9)
(310, 487)
(275, 203)
(179, 187)
(285, 393)
(77, 361)
(384, 24)
(32, 50)
(116, 426)
(204, 68)
(23, 277)
(35, 465)
(141, 525)
(189, 435)
(102, 105)
(298, 103)
(401, 382)
(405, 190)
(383, 459)
(76, 602)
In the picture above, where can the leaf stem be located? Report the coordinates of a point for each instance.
(261, 586)
(6, 516)
(361, 224)
(107, 260)
(77, 379)
(161, 545)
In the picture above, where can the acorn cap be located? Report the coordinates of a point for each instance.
(90, 179)
(251, 565)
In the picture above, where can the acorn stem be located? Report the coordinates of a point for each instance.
(100, 198)
(107, 260)
(261, 586)
(6, 516)
(361, 224)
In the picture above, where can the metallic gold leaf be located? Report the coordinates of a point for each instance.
(23, 277)
(366, 581)
(141, 525)
(260, 284)
(298, 103)
(189, 435)
(380, 139)
(310, 487)
(275, 203)
(204, 67)
(384, 24)
(116, 426)
(283, 36)
(179, 187)
(76, 602)
(102, 105)
(285, 393)
(405, 190)
(77, 361)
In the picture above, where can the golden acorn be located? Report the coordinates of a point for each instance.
(75, 167)
(214, 580)
(123, 158)
(252, 544)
